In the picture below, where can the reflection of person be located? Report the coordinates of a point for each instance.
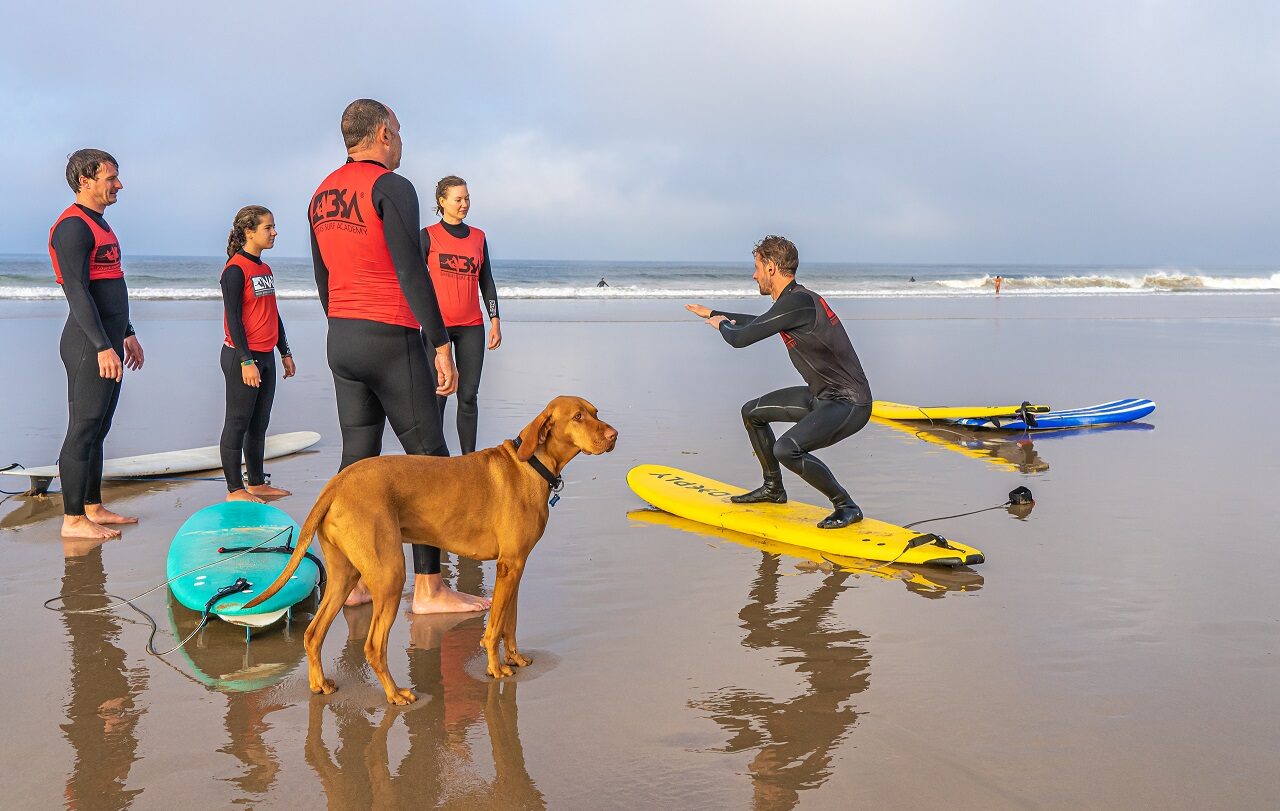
(457, 258)
(374, 288)
(794, 739)
(102, 711)
(252, 331)
(835, 404)
(439, 731)
(86, 263)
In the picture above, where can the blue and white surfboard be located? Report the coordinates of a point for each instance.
(1111, 413)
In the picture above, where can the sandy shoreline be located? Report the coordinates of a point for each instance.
(1119, 648)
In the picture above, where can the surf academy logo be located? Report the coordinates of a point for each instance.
(337, 208)
(689, 484)
(107, 254)
(263, 285)
(456, 263)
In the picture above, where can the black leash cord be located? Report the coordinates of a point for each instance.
(240, 585)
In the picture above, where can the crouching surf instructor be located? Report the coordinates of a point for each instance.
(835, 404)
(86, 263)
(381, 307)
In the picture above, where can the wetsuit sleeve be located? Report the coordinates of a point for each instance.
(282, 343)
(72, 243)
(129, 331)
(321, 271)
(488, 290)
(233, 307)
(739, 319)
(788, 312)
(396, 201)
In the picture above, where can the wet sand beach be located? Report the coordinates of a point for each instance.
(1120, 647)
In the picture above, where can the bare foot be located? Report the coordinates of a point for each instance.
(441, 599)
(99, 514)
(244, 495)
(359, 595)
(79, 526)
(267, 491)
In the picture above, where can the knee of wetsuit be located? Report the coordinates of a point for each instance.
(787, 451)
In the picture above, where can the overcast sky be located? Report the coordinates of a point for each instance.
(1046, 132)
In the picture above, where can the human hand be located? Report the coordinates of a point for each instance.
(290, 369)
(109, 365)
(250, 375)
(133, 356)
(495, 334)
(446, 374)
(699, 310)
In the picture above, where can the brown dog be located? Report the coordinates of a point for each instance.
(487, 505)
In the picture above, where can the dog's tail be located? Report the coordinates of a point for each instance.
(309, 527)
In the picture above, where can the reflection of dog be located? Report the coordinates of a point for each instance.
(486, 505)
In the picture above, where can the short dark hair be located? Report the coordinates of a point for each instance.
(86, 163)
(780, 251)
(361, 120)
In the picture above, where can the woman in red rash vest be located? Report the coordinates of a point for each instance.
(458, 261)
(253, 330)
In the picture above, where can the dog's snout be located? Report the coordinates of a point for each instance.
(611, 434)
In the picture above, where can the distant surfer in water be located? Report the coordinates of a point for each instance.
(86, 263)
(252, 332)
(834, 405)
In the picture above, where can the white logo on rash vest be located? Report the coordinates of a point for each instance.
(263, 286)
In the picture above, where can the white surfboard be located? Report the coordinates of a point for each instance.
(170, 462)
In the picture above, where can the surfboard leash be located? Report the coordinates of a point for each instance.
(235, 588)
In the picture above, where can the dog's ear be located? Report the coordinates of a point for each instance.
(533, 435)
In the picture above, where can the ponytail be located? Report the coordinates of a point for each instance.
(246, 219)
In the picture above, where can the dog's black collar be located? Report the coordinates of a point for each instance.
(557, 483)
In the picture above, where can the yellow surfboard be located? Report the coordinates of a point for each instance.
(903, 411)
(706, 501)
(929, 581)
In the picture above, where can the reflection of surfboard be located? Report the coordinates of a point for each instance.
(902, 411)
(999, 451)
(931, 581)
(170, 462)
(220, 659)
(236, 525)
(706, 501)
(1117, 411)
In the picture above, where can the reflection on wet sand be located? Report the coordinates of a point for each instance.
(927, 581)
(102, 711)
(220, 659)
(30, 509)
(1009, 451)
(793, 737)
(439, 768)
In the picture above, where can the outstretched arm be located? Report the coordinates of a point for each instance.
(788, 312)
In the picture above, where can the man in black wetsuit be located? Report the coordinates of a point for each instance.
(834, 405)
(375, 291)
(86, 262)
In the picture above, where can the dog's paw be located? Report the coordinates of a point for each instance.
(325, 687)
(402, 697)
(518, 660)
(501, 671)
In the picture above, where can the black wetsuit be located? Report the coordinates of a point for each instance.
(834, 405)
(244, 430)
(382, 372)
(99, 320)
(469, 345)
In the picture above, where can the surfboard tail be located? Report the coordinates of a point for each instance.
(309, 527)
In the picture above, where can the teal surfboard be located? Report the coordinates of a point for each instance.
(237, 525)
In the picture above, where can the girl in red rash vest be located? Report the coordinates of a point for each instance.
(458, 262)
(253, 330)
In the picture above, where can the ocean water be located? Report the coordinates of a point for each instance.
(30, 277)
